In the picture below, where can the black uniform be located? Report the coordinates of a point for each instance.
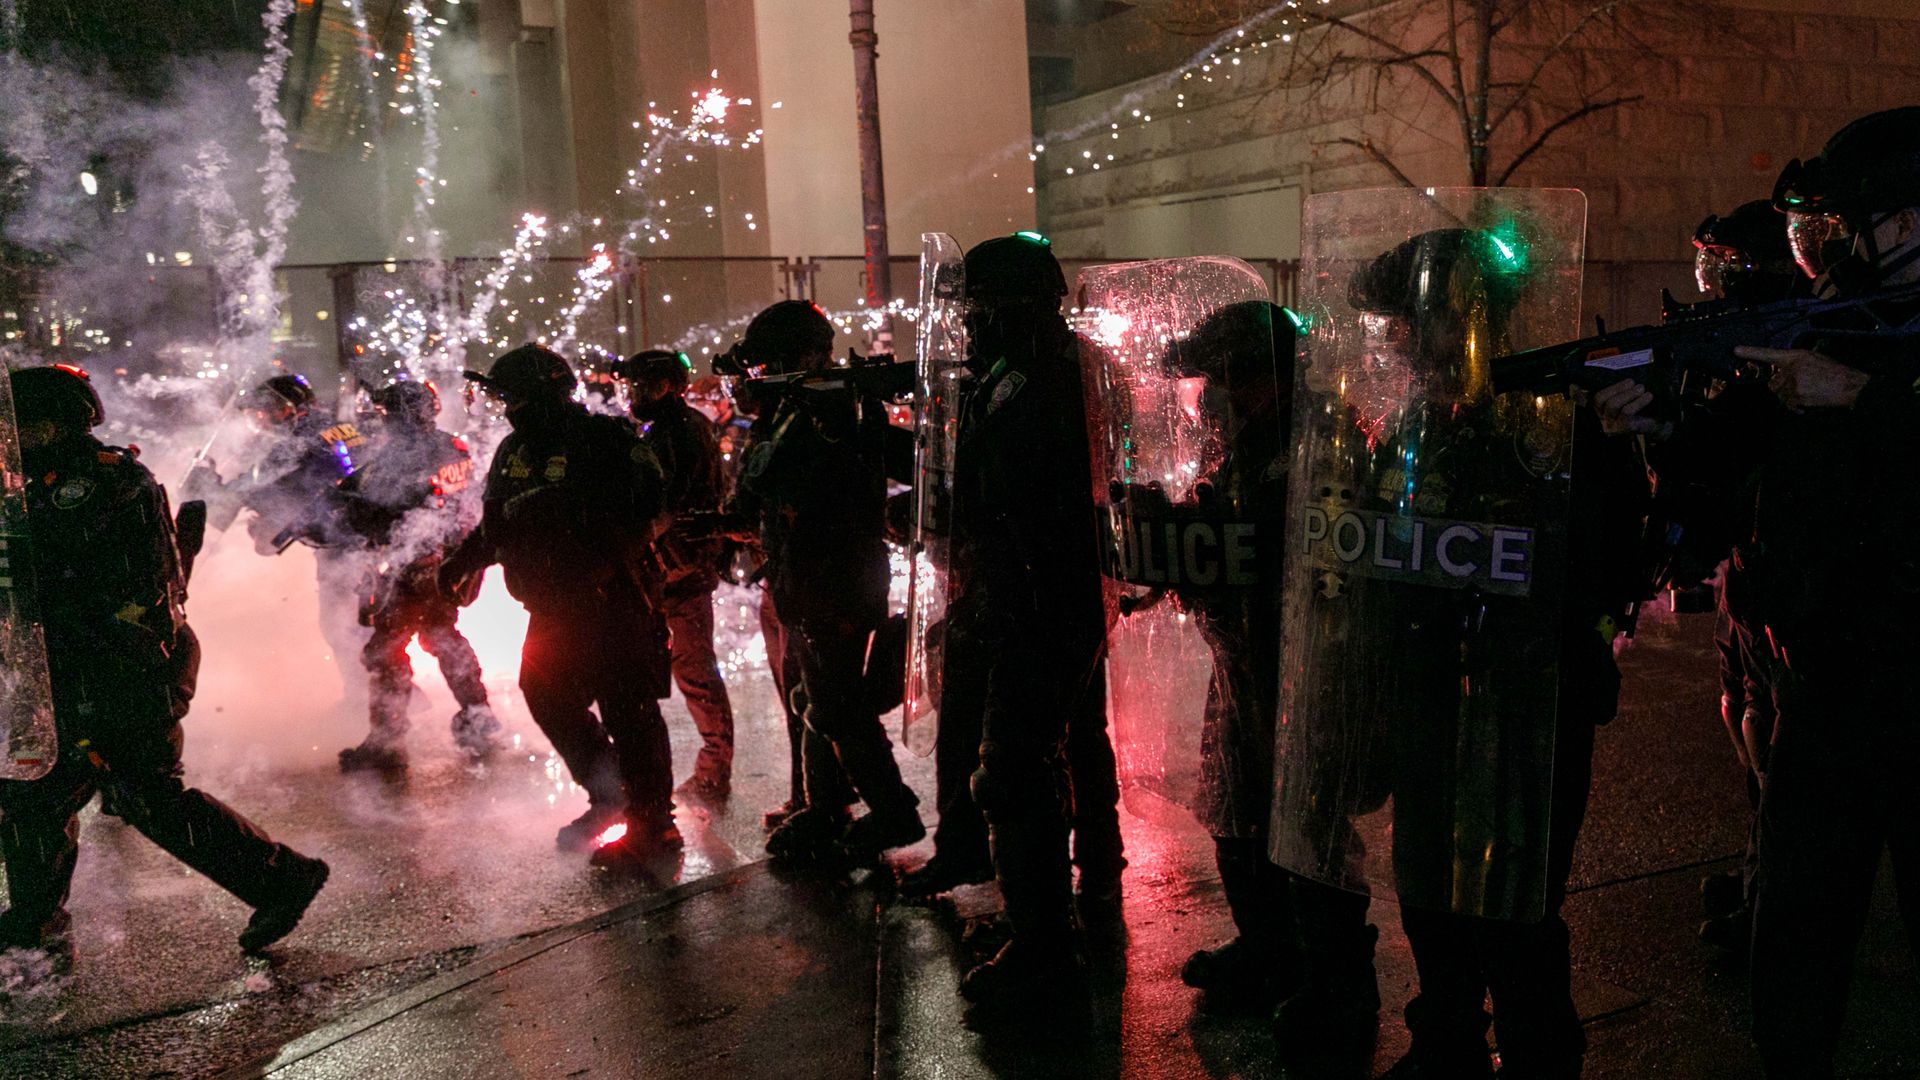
(1834, 507)
(123, 664)
(1026, 630)
(1295, 936)
(410, 501)
(970, 653)
(567, 512)
(816, 482)
(1524, 966)
(683, 440)
(290, 490)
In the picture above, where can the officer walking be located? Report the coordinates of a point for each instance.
(123, 663)
(410, 501)
(816, 486)
(683, 440)
(568, 512)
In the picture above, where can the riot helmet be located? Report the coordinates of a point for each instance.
(1836, 201)
(59, 394)
(786, 336)
(1444, 295)
(280, 400)
(1245, 350)
(1014, 286)
(657, 377)
(673, 369)
(1017, 270)
(1744, 255)
(527, 374)
(408, 403)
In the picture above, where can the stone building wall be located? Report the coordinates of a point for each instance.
(1731, 90)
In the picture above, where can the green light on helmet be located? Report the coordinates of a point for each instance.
(1301, 323)
(1029, 234)
(685, 360)
(1506, 251)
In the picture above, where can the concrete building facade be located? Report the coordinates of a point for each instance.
(1727, 92)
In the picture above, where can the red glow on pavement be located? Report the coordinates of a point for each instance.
(613, 832)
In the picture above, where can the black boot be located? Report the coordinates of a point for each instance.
(276, 918)
(1334, 1015)
(1445, 1047)
(646, 842)
(882, 829)
(811, 834)
(1027, 979)
(374, 755)
(583, 832)
(942, 874)
(1239, 974)
(1337, 1010)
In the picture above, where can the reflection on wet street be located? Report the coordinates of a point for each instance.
(454, 940)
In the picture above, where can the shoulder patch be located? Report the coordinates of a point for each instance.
(73, 492)
(1004, 392)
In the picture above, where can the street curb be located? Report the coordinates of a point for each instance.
(371, 1016)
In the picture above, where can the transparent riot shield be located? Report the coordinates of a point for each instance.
(940, 340)
(1182, 404)
(1426, 548)
(26, 695)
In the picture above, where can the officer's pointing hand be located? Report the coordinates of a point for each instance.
(1620, 406)
(1804, 379)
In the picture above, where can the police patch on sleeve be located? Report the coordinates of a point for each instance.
(1003, 393)
(72, 493)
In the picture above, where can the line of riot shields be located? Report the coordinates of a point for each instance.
(1334, 555)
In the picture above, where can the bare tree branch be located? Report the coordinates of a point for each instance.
(1395, 53)
(1459, 77)
(1566, 41)
(1374, 153)
(1550, 130)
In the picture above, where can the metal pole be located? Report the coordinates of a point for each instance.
(873, 187)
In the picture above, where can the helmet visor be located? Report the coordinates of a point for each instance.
(1818, 240)
(1716, 266)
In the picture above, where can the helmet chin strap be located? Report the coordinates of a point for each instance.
(1884, 265)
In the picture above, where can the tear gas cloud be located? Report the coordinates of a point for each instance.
(161, 279)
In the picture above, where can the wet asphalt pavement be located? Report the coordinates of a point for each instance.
(455, 941)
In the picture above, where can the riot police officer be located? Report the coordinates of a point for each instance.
(410, 501)
(1838, 790)
(568, 512)
(1248, 369)
(814, 481)
(1742, 258)
(1026, 625)
(123, 664)
(1467, 454)
(301, 458)
(683, 440)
